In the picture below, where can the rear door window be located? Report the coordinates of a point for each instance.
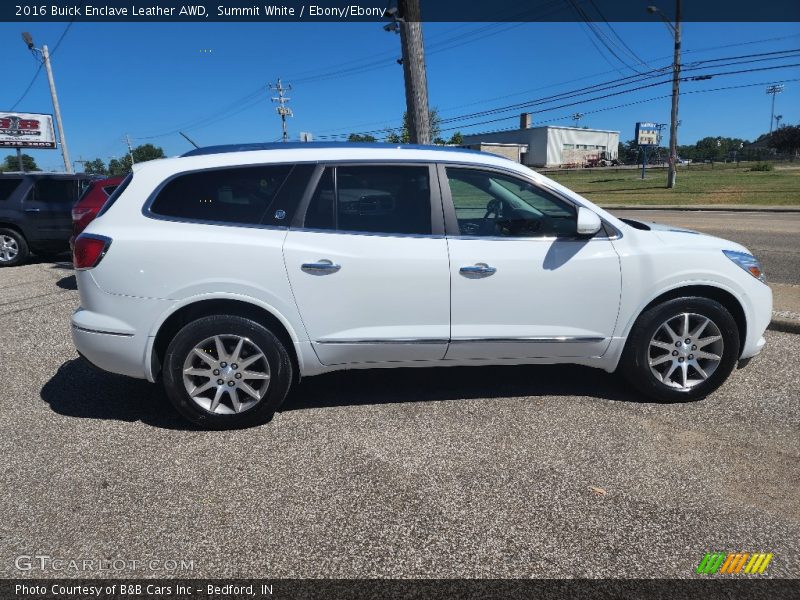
(240, 195)
(388, 199)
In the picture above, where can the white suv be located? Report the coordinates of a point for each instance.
(230, 272)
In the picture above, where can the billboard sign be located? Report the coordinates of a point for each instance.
(26, 130)
(647, 134)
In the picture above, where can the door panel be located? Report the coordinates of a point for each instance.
(48, 207)
(368, 265)
(387, 301)
(524, 285)
(546, 298)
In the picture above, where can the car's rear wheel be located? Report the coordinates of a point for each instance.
(13, 248)
(225, 372)
(680, 350)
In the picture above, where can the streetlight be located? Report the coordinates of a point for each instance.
(773, 90)
(675, 30)
(577, 116)
(43, 54)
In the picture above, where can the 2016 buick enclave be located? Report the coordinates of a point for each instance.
(230, 272)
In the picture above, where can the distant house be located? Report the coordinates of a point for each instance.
(548, 145)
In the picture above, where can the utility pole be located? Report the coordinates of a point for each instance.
(45, 58)
(407, 17)
(774, 90)
(19, 161)
(283, 110)
(130, 149)
(675, 29)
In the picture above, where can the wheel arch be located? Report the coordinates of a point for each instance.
(15, 227)
(219, 306)
(723, 296)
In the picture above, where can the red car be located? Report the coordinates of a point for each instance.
(90, 203)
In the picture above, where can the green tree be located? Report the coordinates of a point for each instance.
(628, 152)
(12, 164)
(716, 148)
(141, 154)
(115, 167)
(404, 137)
(786, 139)
(95, 167)
(357, 137)
(457, 139)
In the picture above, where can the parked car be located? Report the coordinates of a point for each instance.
(90, 203)
(231, 272)
(35, 213)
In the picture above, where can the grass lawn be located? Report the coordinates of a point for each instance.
(697, 184)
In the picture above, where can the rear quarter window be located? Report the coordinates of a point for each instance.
(253, 195)
(115, 194)
(7, 186)
(56, 190)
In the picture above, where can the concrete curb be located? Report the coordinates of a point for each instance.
(784, 325)
(704, 207)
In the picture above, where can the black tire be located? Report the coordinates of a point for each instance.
(635, 361)
(22, 248)
(278, 366)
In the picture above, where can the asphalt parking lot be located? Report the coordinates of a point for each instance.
(407, 473)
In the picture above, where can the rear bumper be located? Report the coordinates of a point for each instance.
(121, 353)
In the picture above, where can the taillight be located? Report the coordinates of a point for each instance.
(89, 250)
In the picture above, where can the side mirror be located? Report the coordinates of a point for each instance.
(588, 222)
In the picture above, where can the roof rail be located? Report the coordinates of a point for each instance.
(295, 145)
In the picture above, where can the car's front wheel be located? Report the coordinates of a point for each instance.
(680, 350)
(226, 372)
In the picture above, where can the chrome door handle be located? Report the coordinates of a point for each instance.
(33, 210)
(321, 267)
(478, 270)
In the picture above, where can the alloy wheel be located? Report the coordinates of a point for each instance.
(9, 249)
(226, 374)
(685, 351)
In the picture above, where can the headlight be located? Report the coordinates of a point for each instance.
(748, 262)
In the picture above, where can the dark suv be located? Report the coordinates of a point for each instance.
(36, 213)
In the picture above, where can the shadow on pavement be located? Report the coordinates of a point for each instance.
(384, 386)
(68, 283)
(80, 390)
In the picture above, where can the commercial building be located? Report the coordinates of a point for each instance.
(548, 145)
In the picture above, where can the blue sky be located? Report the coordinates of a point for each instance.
(148, 80)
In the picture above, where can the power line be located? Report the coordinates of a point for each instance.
(635, 102)
(611, 95)
(350, 128)
(579, 102)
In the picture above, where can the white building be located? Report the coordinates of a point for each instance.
(551, 146)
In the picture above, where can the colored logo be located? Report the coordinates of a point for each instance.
(734, 562)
